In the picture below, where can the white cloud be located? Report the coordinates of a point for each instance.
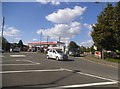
(40, 31)
(11, 31)
(66, 15)
(53, 2)
(89, 27)
(34, 39)
(65, 31)
(87, 43)
(18, 38)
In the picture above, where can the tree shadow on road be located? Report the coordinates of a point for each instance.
(67, 60)
(44, 85)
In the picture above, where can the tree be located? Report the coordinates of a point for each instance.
(20, 44)
(117, 25)
(5, 44)
(72, 45)
(82, 49)
(105, 32)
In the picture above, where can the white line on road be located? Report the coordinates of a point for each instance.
(11, 60)
(91, 75)
(17, 55)
(15, 64)
(2, 56)
(83, 85)
(31, 61)
(25, 71)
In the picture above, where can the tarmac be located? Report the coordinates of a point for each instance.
(93, 58)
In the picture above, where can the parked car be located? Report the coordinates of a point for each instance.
(111, 54)
(16, 49)
(56, 54)
(74, 53)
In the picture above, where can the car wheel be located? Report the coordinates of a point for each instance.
(57, 58)
(48, 57)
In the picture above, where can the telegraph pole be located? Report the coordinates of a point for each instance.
(47, 40)
(102, 51)
(2, 30)
(59, 41)
(41, 37)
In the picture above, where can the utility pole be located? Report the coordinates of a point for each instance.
(59, 41)
(2, 30)
(102, 28)
(47, 40)
(102, 51)
(41, 37)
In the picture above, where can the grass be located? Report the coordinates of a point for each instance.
(113, 60)
(109, 59)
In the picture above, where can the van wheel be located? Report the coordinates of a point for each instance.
(48, 57)
(57, 58)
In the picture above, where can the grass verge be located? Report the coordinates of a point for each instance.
(113, 60)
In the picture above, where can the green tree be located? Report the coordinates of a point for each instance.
(82, 49)
(105, 31)
(72, 45)
(20, 44)
(117, 25)
(5, 44)
(88, 49)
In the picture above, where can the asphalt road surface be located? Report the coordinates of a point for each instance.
(31, 69)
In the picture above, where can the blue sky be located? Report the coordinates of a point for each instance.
(70, 21)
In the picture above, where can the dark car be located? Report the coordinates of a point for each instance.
(16, 49)
(74, 53)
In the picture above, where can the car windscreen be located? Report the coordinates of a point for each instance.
(59, 51)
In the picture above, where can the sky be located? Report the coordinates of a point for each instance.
(69, 21)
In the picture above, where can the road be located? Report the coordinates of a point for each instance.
(35, 70)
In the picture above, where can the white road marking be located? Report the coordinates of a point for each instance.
(67, 86)
(26, 71)
(83, 85)
(17, 55)
(31, 61)
(15, 64)
(11, 60)
(91, 75)
(2, 56)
